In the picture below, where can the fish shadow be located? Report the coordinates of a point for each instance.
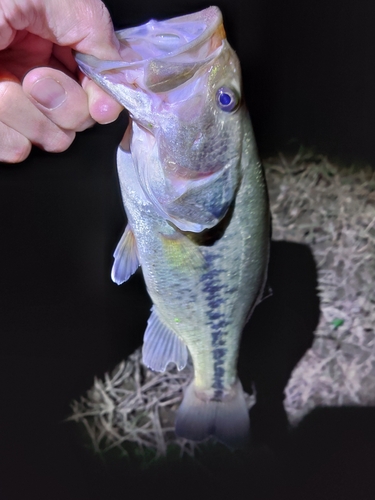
(277, 336)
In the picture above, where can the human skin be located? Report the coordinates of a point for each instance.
(44, 99)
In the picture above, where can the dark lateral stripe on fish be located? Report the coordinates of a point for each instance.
(219, 371)
(212, 286)
(213, 290)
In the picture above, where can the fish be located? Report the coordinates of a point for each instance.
(195, 197)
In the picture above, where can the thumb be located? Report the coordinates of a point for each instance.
(83, 25)
(58, 97)
(87, 28)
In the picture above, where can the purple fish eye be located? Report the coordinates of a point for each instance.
(227, 99)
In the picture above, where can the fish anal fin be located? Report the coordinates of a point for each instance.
(126, 257)
(162, 346)
(226, 419)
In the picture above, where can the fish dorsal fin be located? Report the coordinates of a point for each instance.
(126, 257)
(161, 346)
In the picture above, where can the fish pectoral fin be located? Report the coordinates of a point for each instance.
(126, 257)
(227, 419)
(161, 346)
(182, 252)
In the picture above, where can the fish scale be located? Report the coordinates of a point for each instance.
(196, 202)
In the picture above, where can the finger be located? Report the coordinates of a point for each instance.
(59, 98)
(84, 25)
(6, 31)
(103, 108)
(87, 29)
(14, 147)
(20, 114)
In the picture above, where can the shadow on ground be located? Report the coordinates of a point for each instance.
(277, 336)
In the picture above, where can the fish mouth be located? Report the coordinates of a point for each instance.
(172, 37)
(159, 55)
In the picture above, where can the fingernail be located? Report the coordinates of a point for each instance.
(48, 92)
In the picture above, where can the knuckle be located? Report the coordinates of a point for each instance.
(59, 142)
(14, 147)
(16, 152)
(8, 91)
(74, 121)
(21, 154)
(88, 123)
(72, 116)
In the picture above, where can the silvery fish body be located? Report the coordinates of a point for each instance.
(196, 201)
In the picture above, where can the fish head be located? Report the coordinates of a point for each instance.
(181, 84)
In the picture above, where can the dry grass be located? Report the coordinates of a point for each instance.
(332, 210)
(314, 202)
(134, 405)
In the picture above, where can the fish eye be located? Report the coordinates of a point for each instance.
(227, 99)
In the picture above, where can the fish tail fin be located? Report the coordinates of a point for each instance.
(226, 418)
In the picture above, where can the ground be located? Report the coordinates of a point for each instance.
(331, 210)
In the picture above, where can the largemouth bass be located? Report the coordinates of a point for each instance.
(196, 202)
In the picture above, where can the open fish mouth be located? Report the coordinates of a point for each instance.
(173, 36)
(169, 52)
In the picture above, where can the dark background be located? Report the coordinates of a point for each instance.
(309, 79)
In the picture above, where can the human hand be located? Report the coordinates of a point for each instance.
(41, 99)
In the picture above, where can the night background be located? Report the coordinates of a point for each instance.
(309, 79)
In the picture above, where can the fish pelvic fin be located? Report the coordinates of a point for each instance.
(126, 257)
(162, 346)
(227, 419)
